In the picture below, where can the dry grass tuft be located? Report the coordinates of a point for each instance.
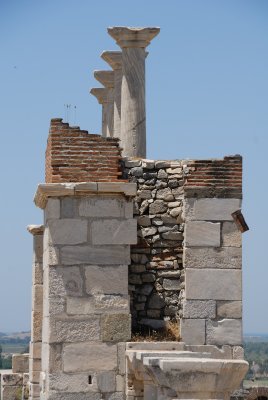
(170, 333)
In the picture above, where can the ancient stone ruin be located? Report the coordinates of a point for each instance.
(136, 288)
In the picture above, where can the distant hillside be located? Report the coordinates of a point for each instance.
(256, 338)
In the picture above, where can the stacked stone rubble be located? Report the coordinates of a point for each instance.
(156, 275)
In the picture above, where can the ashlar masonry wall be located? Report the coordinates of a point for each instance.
(86, 308)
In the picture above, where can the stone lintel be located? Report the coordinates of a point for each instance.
(101, 94)
(113, 58)
(106, 78)
(46, 190)
(133, 36)
(36, 229)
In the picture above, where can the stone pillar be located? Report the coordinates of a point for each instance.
(106, 78)
(37, 311)
(133, 42)
(212, 311)
(114, 59)
(88, 231)
(101, 95)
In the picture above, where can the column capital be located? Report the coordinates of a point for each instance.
(106, 78)
(101, 94)
(133, 36)
(113, 58)
(36, 229)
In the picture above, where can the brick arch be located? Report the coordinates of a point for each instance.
(256, 392)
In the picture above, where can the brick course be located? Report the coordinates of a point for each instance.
(74, 155)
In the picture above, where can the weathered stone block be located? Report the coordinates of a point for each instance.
(34, 376)
(238, 353)
(53, 306)
(51, 357)
(193, 331)
(11, 392)
(102, 207)
(115, 327)
(56, 395)
(231, 236)
(70, 330)
(227, 257)
(106, 280)
(105, 255)
(69, 207)
(172, 284)
(37, 273)
(37, 298)
(201, 233)
(67, 231)
(229, 309)
(89, 356)
(38, 248)
(20, 363)
(206, 284)
(63, 281)
(215, 209)
(36, 326)
(121, 358)
(97, 304)
(199, 309)
(226, 331)
(52, 210)
(35, 349)
(35, 364)
(72, 382)
(106, 381)
(114, 231)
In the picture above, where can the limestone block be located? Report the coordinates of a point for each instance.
(106, 280)
(56, 395)
(201, 233)
(226, 331)
(54, 306)
(199, 309)
(225, 352)
(231, 236)
(37, 273)
(73, 382)
(193, 331)
(229, 309)
(11, 392)
(227, 257)
(102, 207)
(35, 364)
(114, 231)
(116, 396)
(51, 357)
(89, 356)
(35, 349)
(35, 390)
(36, 326)
(80, 305)
(20, 363)
(67, 231)
(63, 281)
(11, 379)
(129, 209)
(215, 209)
(104, 255)
(38, 248)
(106, 381)
(37, 298)
(238, 353)
(34, 376)
(115, 327)
(70, 329)
(111, 303)
(52, 210)
(213, 284)
(172, 284)
(120, 383)
(121, 358)
(69, 207)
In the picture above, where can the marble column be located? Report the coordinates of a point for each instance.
(101, 95)
(133, 42)
(106, 78)
(114, 59)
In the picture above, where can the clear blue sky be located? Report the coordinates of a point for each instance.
(207, 96)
